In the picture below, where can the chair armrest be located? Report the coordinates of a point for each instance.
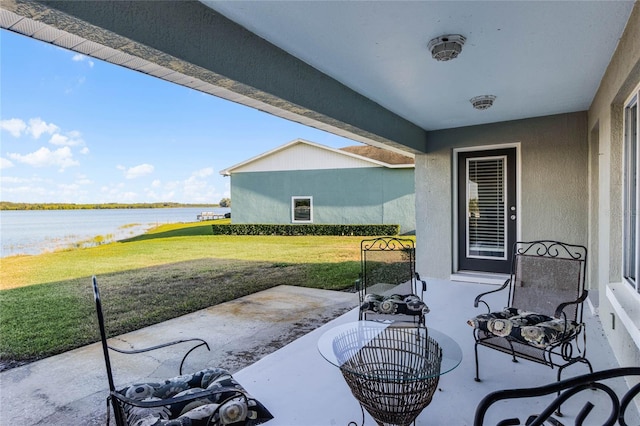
(164, 345)
(479, 297)
(174, 400)
(561, 306)
(424, 283)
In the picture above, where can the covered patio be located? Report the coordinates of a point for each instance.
(295, 383)
(564, 126)
(302, 388)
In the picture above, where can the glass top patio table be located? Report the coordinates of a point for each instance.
(391, 343)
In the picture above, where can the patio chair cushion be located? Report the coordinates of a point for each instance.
(530, 328)
(405, 304)
(235, 411)
(481, 321)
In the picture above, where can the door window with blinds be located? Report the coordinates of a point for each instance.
(486, 208)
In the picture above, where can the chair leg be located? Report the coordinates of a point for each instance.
(582, 360)
(477, 378)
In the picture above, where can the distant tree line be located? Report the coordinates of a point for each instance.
(6, 205)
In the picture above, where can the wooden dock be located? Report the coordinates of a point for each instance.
(209, 216)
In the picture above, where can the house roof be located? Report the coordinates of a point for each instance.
(301, 154)
(379, 154)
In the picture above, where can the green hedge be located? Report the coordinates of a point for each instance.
(312, 229)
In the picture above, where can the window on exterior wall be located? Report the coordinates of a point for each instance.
(631, 225)
(302, 209)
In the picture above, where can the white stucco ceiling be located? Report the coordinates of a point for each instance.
(537, 57)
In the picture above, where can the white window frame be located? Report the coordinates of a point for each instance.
(631, 241)
(293, 208)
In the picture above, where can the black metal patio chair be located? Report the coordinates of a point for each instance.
(208, 397)
(542, 318)
(605, 404)
(389, 288)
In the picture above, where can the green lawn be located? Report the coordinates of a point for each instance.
(46, 301)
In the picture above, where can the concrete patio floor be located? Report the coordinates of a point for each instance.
(294, 382)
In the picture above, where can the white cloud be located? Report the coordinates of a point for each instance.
(17, 180)
(84, 150)
(156, 183)
(27, 190)
(137, 171)
(37, 127)
(61, 140)
(15, 126)
(69, 187)
(203, 172)
(81, 58)
(197, 188)
(128, 196)
(44, 157)
(4, 163)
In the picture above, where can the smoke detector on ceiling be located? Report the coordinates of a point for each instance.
(482, 102)
(446, 47)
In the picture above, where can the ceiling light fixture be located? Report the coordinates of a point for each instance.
(482, 102)
(446, 47)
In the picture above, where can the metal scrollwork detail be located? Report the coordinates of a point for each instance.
(551, 249)
(566, 390)
(387, 243)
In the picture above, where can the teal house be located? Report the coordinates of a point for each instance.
(305, 182)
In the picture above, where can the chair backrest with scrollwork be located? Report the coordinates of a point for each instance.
(387, 260)
(547, 273)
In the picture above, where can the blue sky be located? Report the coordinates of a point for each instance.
(74, 129)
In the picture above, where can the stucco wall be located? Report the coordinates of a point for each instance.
(553, 181)
(340, 196)
(617, 301)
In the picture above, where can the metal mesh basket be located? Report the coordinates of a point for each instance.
(394, 375)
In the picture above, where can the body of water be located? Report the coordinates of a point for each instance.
(39, 231)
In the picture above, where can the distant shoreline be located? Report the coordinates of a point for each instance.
(7, 205)
(38, 231)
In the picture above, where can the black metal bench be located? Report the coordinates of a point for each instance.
(611, 409)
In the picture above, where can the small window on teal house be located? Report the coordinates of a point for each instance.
(302, 209)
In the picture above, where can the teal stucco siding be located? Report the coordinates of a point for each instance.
(372, 195)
